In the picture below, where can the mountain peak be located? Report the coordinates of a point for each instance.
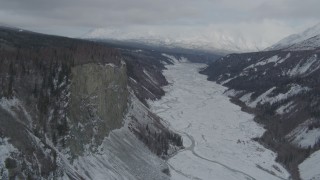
(297, 39)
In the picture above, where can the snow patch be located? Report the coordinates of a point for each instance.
(246, 98)
(284, 109)
(303, 66)
(267, 98)
(150, 77)
(228, 80)
(133, 80)
(303, 136)
(110, 64)
(262, 98)
(282, 60)
(232, 93)
(273, 59)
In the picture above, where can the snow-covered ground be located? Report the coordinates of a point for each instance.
(121, 157)
(216, 133)
(310, 168)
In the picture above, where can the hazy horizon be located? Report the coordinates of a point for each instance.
(260, 22)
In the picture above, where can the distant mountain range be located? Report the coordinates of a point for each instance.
(215, 42)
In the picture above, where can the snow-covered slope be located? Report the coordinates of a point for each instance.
(309, 44)
(133, 161)
(310, 168)
(213, 42)
(304, 40)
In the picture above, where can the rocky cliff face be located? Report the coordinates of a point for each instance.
(98, 101)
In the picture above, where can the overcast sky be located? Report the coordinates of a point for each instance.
(268, 20)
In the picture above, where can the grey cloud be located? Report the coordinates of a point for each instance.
(102, 13)
(274, 18)
(289, 9)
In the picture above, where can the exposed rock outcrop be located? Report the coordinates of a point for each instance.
(98, 101)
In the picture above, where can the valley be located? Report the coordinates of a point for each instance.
(217, 135)
(101, 109)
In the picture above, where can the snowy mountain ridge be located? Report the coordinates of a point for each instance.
(302, 41)
(281, 88)
(214, 41)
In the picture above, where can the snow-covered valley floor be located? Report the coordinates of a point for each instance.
(216, 133)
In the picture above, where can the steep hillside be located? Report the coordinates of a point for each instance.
(282, 89)
(68, 110)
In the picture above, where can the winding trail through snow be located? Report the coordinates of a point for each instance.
(216, 133)
(216, 162)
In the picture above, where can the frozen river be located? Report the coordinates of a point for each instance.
(216, 133)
